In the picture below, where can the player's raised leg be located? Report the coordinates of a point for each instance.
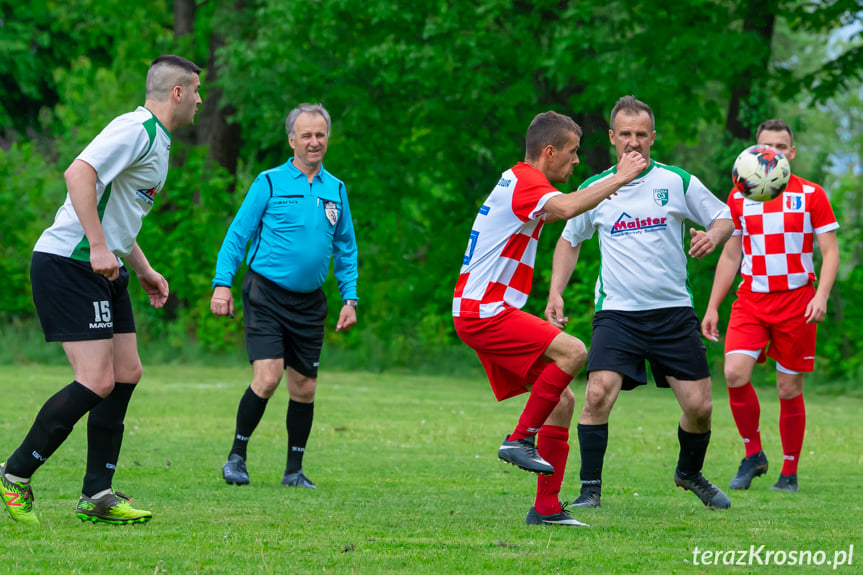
(567, 355)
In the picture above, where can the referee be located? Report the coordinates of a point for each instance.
(294, 219)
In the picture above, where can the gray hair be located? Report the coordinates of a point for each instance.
(305, 108)
(631, 107)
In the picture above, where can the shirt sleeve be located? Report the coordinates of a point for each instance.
(245, 224)
(345, 250)
(823, 218)
(530, 195)
(119, 145)
(579, 229)
(702, 206)
(734, 208)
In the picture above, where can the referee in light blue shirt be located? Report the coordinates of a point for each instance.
(294, 218)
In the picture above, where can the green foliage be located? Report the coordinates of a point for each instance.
(430, 102)
(181, 238)
(31, 190)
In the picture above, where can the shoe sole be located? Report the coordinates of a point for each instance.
(524, 468)
(229, 482)
(33, 521)
(586, 505)
(95, 519)
(758, 473)
(708, 504)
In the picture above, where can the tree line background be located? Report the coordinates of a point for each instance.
(430, 102)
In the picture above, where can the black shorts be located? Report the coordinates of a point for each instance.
(283, 324)
(670, 339)
(76, 304)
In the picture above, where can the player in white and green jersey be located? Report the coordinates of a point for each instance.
(644, 309)
(80, 292)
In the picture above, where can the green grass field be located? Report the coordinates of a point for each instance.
(409, 482)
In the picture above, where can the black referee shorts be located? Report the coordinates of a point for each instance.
(76, 304)
(669, 339)
(283, 324)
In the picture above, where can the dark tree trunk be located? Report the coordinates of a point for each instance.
(758, 18)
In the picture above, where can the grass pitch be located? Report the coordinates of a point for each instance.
(409, 482)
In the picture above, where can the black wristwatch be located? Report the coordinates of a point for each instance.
(351, 302)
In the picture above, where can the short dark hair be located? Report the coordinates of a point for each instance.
(177, 62)
(631, 106)
(774, 125)
(549, 128)
(166, 72)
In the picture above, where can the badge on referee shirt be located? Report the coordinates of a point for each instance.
(332, 212)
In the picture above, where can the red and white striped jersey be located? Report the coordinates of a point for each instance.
(779, 235)
(497, 270)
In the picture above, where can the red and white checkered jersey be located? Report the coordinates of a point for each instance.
(497, 270)
(779, 235)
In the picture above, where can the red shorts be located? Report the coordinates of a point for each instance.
(510, 346)
(778, 318)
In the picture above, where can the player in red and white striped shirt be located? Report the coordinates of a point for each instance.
(521, 352)
(777, 303)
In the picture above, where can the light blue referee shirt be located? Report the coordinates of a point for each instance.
(295, 227)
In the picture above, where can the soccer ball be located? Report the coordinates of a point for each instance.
(761, 173)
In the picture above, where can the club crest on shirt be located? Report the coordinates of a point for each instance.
(332, 212)
(793, 202)
(660, 197)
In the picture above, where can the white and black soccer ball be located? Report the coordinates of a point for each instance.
(761, 173)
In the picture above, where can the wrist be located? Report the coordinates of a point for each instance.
(350, 302)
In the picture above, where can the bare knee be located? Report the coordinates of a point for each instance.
(265, 385)
(700, 413)
(598, 401)
(567, 403)
(129, 373)
(571, 356)
(302, 388)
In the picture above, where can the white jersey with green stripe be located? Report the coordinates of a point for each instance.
(130, 157)
(641, 237)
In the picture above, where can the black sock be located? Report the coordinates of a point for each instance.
(693, 448)
(105, 437)
(249, 414)
(299, 424)
(52, 426)
(592, 443)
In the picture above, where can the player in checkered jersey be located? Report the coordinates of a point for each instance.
(777, 303)
(521, 352)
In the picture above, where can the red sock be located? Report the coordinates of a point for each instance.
(792, 425)
(746, 411)
(544, 397)
(553, 446)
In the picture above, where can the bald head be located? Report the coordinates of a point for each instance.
(165, 73)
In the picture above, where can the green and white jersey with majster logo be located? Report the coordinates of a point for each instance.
(130, 157)
(641, 237)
